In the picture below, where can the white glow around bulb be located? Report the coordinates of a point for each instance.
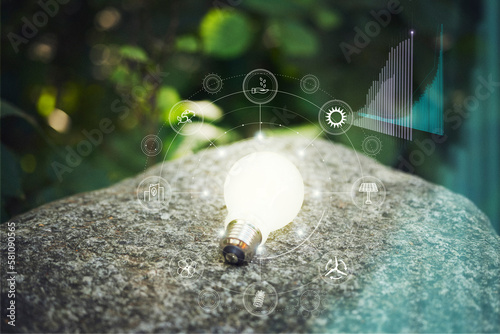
(264, 189)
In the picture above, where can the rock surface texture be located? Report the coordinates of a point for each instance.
(426, 260)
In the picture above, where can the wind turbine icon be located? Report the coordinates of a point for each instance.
(335, 269)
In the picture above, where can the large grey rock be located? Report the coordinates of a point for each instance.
(427, 260)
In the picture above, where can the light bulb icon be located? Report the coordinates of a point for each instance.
(264, 192)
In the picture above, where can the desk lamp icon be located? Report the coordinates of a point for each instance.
(368, 188)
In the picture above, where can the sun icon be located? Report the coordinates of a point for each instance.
(342, 117)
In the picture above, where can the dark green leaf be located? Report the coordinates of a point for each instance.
(327, 19)
(7, 109)
(11, 175)
(276, 7)
(187, 43)
(134, 53)
(294, 38)
(225, 33)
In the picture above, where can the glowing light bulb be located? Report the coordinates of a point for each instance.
(264, 192)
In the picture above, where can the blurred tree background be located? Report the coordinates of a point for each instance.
(130, 61)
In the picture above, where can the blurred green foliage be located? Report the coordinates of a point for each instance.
(222, 25)
(91, 60)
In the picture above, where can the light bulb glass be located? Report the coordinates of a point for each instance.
(264, 192)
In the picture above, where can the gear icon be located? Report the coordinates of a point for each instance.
(372, 145)
(308, 304)
(329, 117)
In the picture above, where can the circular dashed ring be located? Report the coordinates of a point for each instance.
(310, 300)
(371, 145)
(151, 145)
(212, 83)
(309, 83)
(208, 299)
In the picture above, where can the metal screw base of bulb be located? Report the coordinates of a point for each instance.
(240, 241)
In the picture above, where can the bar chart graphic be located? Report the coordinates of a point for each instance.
(428, 109)
(389, 103)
